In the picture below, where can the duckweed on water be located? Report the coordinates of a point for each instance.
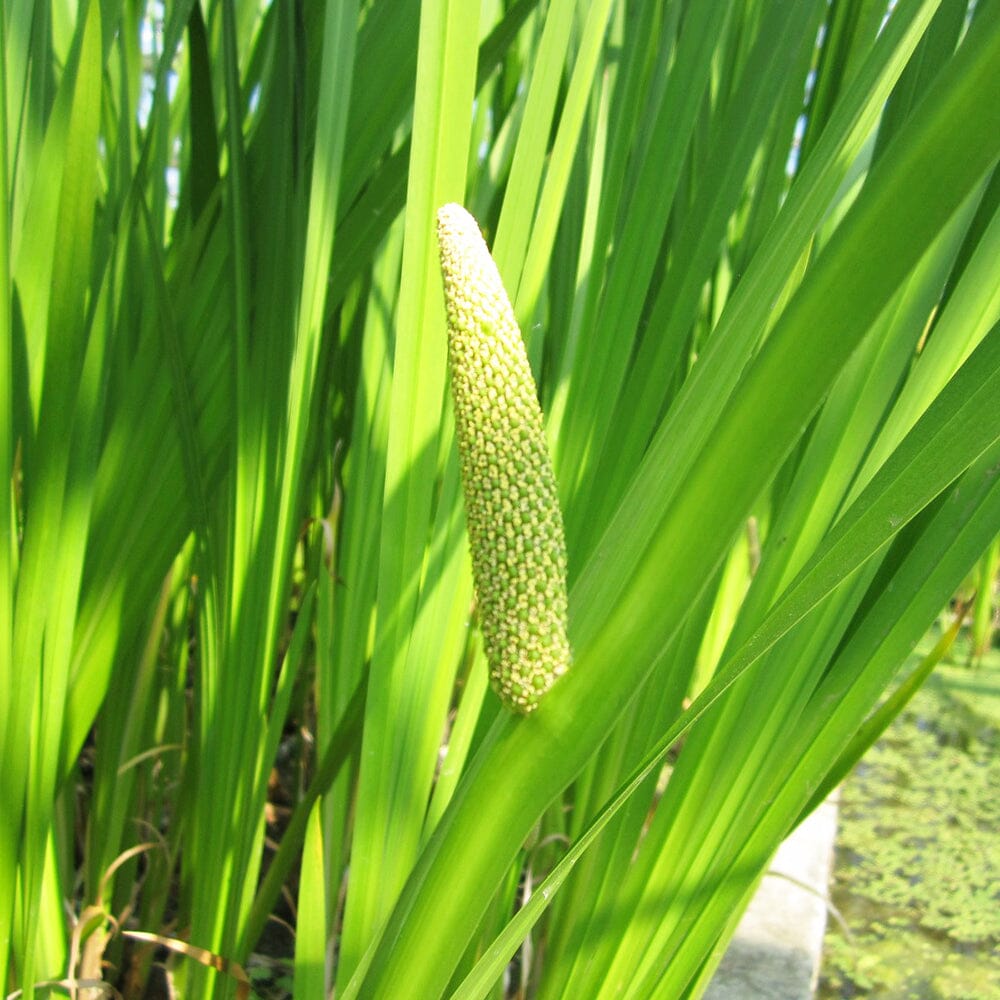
(917, 873)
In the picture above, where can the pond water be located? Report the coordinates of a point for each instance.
(917, 871)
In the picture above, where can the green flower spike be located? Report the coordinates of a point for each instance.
(511, 503)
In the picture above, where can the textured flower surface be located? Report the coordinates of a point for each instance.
(512, 506)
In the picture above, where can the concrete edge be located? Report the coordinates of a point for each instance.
(776, 951)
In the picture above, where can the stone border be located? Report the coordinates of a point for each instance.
(776, 951)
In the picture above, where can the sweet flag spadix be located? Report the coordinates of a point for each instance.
(511, 501)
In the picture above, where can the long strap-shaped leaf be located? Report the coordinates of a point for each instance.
(59, 465)
(8, 839)
(388, 824)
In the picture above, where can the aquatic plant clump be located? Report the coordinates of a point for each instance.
(918, 870)
(512, 507)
